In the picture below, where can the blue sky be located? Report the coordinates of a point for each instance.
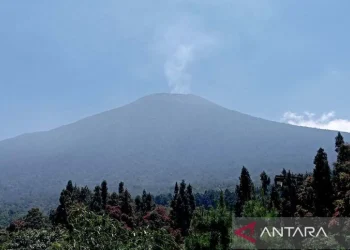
(280, 60)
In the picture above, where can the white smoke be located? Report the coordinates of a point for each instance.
(175, 69)
(181, 45)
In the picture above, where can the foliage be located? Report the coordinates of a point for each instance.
(99, 219)
(244, 191)
(322, 185)
(211, 229)
(35, 239)
(255, 208)
(183, 206)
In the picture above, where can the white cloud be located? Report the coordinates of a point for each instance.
(181, 45)
(325, 121)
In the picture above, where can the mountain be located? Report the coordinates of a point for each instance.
(153, 142)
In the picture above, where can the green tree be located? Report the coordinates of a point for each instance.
(96, 203)
(104, 193)
(339, 141)
(246, 185)
(138, 203)
(121, 193)
(127, 204)
(322, 185)
(69, 186)
(224, 223)
(284, 172)
(144, 202)
(341, 175)
(288, 196)
(229, 199)
(93, 231)
(306, 198)
(275, 201)
(192, 201)
(255, 208)
(238, 206)
(121, 188)
(343, 154)
(265, 182)
(149, 203)
(114, 200)
(173, 202)
(127, 209)
(222, 204)
(85, 195)
(182, 211)
(35, 219)
(211, 229)
(244, 191)
(60, 215)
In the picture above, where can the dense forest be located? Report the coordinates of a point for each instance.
(113, 219)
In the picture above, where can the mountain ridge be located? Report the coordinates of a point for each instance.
(157, 140)
(151, 96)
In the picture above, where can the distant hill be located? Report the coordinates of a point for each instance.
(153, 142)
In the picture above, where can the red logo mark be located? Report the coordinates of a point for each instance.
(250, 227)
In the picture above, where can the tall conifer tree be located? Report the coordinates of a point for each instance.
(127, 204)
(339, 141)
(244, 191)
(70, 187)
(192, 201)
(322, 185)
(238, 206)
(96, 203)
(265, 182)
(104, 193)
(288, 196)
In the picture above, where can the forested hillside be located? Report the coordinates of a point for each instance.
(153, 142)
(106, 218)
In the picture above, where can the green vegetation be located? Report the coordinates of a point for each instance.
(105, 219)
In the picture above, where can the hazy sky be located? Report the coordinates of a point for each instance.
(281, 60)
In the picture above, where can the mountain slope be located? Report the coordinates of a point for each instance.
(155, 141)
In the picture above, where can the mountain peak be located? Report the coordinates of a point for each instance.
(170, 97)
